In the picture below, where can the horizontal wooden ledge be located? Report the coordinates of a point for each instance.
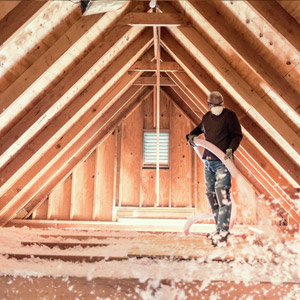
(155, 212)
(154, 19)
(168, 66)
(123, 224)
(164, 81)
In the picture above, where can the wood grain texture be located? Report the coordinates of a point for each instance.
(104, 180)
(83, 187)
(60, 200)
(180, 157)
(131, 158)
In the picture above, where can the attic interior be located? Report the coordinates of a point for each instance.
(86, 87)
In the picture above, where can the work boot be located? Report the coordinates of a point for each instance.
(210, 235)
(220, 239)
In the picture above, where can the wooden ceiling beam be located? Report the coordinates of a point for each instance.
(194, 70)
(153, 19)
(62, 166)
(18, 17)
(16, 100)
(167, 66)
(279, 19)
(204, 12)
(151, 81)
(55, 137)
(72, 84)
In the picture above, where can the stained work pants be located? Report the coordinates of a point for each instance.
(218, 184)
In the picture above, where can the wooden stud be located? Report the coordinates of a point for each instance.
(117, 199)
(42, 211)
(104, 180)
(131, 158)
(180, 157)
(59, 204)
(83, 188)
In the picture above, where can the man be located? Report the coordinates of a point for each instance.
(221, 127)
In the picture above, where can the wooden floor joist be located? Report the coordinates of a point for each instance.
(104, 288)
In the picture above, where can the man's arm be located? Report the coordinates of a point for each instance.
(193, 134)
(235, 132)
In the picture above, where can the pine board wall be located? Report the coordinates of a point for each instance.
(112, 176)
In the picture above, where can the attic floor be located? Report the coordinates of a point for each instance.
(108, 288)
(101, 264)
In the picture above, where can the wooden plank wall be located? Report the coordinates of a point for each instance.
(131, 158)
(87, 193)
(97, 184)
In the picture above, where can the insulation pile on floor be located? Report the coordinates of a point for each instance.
(91, 264)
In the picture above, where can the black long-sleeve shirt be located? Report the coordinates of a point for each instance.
(224, 131)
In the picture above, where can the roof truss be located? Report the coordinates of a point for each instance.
(89, 72)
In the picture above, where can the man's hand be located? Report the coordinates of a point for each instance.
(190, 139)
(229, 154)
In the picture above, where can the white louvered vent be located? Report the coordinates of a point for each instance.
(149, 155)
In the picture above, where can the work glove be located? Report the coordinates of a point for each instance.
(190, 138)
(229, 154)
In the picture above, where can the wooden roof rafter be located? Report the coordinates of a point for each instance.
(17, 14)
(31, 40)
(73, 83)
(217, 25)
(193, 70)
(18, 97)
(17, 181)
(198, 47)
